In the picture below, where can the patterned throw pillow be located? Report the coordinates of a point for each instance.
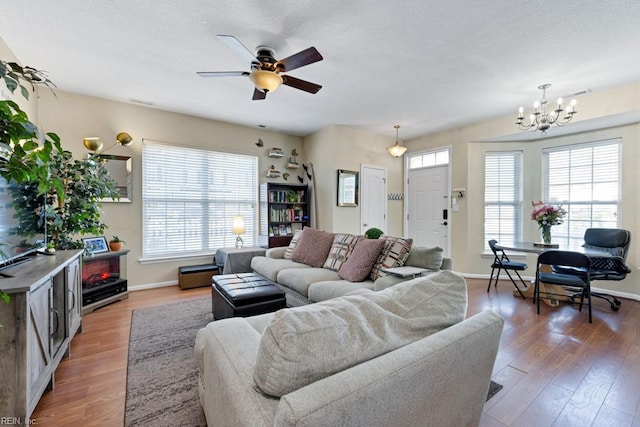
(364, 255)
(341, 249)
(292, 244)
(394, 254)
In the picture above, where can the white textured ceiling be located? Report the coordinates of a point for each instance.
(427, 65)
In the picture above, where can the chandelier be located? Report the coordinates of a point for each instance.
(544, 116)
(396, 150)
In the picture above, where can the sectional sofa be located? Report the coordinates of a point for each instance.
(318, 266)
(404, 356)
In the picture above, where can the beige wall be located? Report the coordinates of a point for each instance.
(28, 106)
(74, 117)
(342, 147)
(468, 171)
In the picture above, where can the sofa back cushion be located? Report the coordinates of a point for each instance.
(394, 254)
(292, 244)
(424, 257)
(312, 247)
(341, 249)
(359, 265)
(302, 345)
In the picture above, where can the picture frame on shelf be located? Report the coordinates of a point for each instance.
(96, 245)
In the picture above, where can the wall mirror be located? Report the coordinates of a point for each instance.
(347, 188)
(119, 168)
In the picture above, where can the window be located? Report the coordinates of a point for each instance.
(190, 197)
(434, 158)
(584, 179)
(503, 197)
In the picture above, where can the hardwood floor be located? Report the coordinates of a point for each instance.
(556, 368)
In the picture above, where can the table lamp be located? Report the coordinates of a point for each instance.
(238, 229)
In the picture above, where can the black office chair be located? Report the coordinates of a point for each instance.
(614, 241)
(502, 262)
(568, 260)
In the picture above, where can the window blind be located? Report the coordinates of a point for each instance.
(585, 180)
(190, 197)
(503, 197)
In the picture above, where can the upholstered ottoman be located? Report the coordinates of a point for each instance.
(244, 294)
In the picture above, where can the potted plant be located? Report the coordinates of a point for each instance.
(115, 244)
(373, 233)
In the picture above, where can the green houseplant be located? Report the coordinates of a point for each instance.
(115, 244)
(373, 233)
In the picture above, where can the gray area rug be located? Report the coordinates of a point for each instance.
(162, 382)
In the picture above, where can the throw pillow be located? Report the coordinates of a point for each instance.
(341, 249)
(312, 247)
(304, 344)
(292, 244)
(394, 254)
(359, 265)
(422, 257)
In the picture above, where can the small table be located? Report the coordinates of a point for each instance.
(530, 247)
(406, 271)
(237, 260)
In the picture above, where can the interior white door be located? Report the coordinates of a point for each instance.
(373, 198)
(428, 207)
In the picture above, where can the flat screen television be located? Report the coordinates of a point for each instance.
(14, 248)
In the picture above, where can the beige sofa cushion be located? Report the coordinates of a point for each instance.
(299, 279)
(322, 291)
(424, 257)
(270, 267)
(304, 344)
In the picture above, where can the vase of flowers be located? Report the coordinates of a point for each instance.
(546, 216)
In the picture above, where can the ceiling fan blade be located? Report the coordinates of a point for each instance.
(300, 84)
(235, 45)
(300, 59)
(222, 73)
(258, 95)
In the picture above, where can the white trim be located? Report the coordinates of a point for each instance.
(152, 286)
(159, 260)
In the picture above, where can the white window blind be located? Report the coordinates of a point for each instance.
(190, 197)
(503, 197)
(585, 180)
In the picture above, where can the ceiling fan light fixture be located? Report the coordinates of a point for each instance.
(266, 81)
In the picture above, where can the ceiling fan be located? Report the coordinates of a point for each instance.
(266, 70)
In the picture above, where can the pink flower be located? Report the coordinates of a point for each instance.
(545, 214)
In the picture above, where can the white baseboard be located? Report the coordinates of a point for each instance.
(528, 278)
(152, 286)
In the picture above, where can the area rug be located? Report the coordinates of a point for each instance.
(162, 384)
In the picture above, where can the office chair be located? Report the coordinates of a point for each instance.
(614, 241)
(569, 281)
(502, 262)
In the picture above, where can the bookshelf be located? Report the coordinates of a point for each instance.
(284, 208)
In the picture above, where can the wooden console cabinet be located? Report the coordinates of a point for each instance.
(43, 315)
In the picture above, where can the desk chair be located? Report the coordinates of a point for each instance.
(567, 260)
(502, 262)
(614, 241)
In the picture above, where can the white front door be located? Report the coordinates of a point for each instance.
(428, 207)
(373, 198)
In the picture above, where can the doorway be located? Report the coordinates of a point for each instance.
(373, 200)
(428, 194)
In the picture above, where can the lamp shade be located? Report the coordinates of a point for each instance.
(265, 80)
(92, 143)
(397, 150)
(238, 225)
